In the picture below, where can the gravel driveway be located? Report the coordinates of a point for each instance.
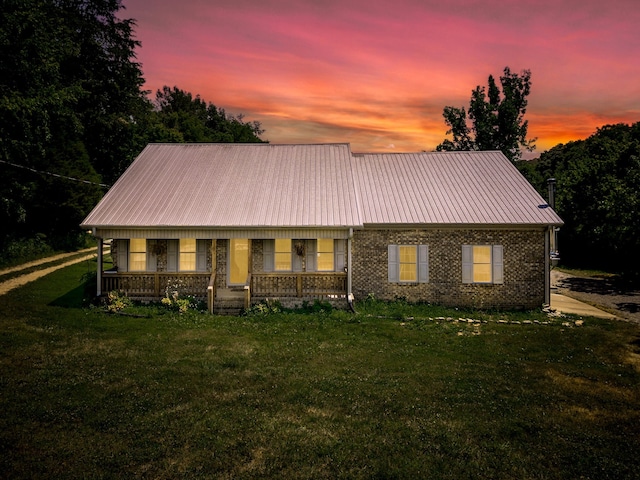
(606, 292)
(43, 268)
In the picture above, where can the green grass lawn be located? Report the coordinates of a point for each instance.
(386, 393)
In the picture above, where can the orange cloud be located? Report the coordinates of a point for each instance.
(378, 73)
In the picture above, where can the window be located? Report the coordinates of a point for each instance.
(408, 263)
(482, 264)
(282, 255)
(187, 260)
(137, 254)
(325, 254)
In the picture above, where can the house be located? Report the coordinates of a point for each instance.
(240, 223)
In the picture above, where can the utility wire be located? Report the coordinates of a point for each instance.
(55, 174)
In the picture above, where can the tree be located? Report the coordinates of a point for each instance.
(70, 91)
(496, 117)
(598, 197)
(72, 105)
(180, 117)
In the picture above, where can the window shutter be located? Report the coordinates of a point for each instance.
(423, 263)
(393, 263)
(172, 255)
(467, 264)
(268, 255)
(497, 264)
(123, 255)
(312, 246)
(152, 258)
(340, 255)
(201, 255)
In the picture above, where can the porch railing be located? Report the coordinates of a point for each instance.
(154, 285)
(298, 284)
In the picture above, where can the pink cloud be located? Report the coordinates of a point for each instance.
(380, 72)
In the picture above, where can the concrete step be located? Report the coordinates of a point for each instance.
(228, 306)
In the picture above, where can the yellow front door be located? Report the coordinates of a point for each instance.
(238, 261)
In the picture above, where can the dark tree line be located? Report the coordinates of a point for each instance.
(597, 196)
(72, 104)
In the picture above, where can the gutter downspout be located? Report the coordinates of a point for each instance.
(349, 269)
(553, 248)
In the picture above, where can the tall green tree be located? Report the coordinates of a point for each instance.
(178, 116)
(495, 118)
(70, 90)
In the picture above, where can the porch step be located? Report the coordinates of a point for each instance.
(228, 307)
(229, 301)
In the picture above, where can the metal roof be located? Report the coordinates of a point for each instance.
(455, 188)
(320, 186)
(233, 185)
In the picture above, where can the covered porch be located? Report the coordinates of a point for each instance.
(238, 273)
(258, 287)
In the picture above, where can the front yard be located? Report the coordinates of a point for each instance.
(396, 391)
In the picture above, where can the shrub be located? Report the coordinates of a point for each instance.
(116, 301)
(262, 309)
(318, 306)
(176, 301)
(19, 251)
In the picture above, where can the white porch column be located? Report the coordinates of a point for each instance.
(349, 240)
(99, 268)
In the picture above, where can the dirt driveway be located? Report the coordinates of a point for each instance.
(607, 293)
(43, 268)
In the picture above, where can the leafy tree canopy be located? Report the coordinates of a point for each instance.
(495, 118)
(598, 197)
(180, 117)
(72, 104)
(69, 87)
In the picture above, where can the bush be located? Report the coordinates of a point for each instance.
(116, 301)
(24, 250)
(262, 309)
(318, 306)
(176, 301)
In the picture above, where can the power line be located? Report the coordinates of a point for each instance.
(55, 174)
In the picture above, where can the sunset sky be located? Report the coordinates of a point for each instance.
(378, 73)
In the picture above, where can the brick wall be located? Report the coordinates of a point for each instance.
(524, 267)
